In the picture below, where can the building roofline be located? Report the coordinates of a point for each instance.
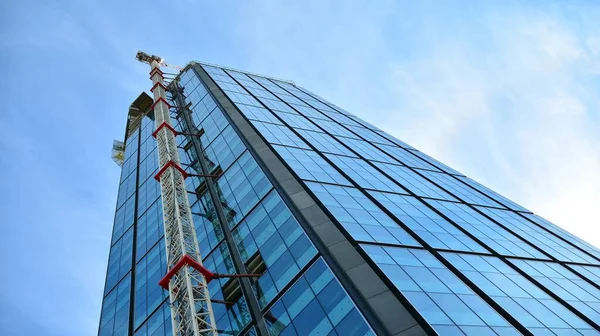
(236, 70)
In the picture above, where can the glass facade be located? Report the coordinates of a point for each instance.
(462, 259)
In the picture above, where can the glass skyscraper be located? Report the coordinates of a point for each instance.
(354, 231)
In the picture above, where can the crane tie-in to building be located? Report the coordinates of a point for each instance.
(186, 279)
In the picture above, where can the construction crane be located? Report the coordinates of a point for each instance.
(186, 279)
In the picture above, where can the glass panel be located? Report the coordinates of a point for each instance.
(490, 233)
(241, 187)
(435, 292)
(492, 194)
(309, 165)
(459, 189)
(270, 238)
(414, 182)
(149, 229)
(537, 236)
(119, 260)
(148, 272)
(565, 235)
(361, 218)
(364, 174)
(435, 230)
(114, 319)
(316, 305)
(158, 324)
(537, 311)
(566, 284)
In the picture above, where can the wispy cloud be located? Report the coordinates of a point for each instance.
(519, 114)
(502, 92)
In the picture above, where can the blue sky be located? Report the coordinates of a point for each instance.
(504, 91)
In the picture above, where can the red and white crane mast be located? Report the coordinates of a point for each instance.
(191, 309)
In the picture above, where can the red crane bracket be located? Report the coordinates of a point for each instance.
(166, 166)
(159, 100)
(186, 260)
(158, 84)
(164, 124)
(156, 70)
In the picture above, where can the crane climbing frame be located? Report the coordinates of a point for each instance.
(186, 279)
(191, 308)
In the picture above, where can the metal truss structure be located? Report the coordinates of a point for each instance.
(191, 309)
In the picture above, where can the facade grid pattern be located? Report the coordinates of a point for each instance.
(461, 258)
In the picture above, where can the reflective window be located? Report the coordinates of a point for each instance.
(294, 90)
(316, 305)
(224, 149)
(367, 151)
(292, 100)
(459, 189)
(528, 304)
(490, 193)
(363, 220)
(131, 146)
(126, 189)
(341, 118)
(565, 235)
(395, 140)
(536, 235)
(370, 135)
(251, 332)
(119, 260)
(149, 229)
(212, 126)
(114, 319)
(128, 168)
(229, 85)
(430, 226)
(277, 134)
(311, 113)
(158, 324)
(124, 218)
(437, 294)
(147, 194)
(234, 316)
(490, 233)
(242, 98)
(434, 162)
(364, 174)
(309, 165)
(358, 120)
(148, 272)
(297, 121)
(148, 142)
(590, 272)
(325, 143)
(405, 157)
(206, 222)
(413, 182)
(270, 238)
(566, 284)
(148, 166)
(242, 186)
(203, 108)
(334, 128)
(259, 114)
(261, 93)
(277, 105)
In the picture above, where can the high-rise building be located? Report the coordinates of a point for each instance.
(354, 231)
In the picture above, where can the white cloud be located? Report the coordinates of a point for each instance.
(521, 119)
(504, 94)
